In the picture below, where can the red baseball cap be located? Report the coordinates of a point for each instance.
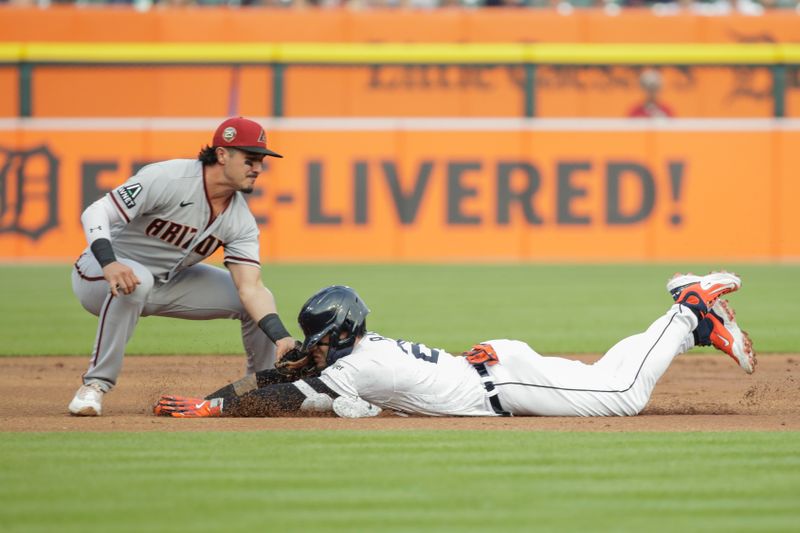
(244, 134)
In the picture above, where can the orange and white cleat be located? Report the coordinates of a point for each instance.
(701, 292)
(728, 337)
(719, 327)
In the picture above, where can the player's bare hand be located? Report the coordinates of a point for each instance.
(284, 346)
(294, 359)
(120, 278)
(296, 364)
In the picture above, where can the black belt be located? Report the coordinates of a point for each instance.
(491, 392)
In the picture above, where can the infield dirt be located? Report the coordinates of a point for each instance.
(698, 393)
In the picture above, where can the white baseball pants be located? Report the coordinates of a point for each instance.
(618, 384)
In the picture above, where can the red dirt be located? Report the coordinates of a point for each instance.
(698, 393)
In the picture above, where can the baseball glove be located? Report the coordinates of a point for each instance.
(296, 364)
(482, 353)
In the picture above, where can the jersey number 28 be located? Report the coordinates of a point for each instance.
(419, 351)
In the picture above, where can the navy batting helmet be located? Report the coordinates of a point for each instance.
(332, 311)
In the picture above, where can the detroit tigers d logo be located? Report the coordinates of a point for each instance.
(28, 191)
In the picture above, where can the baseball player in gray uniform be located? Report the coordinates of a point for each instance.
(146, 240)
(361, 373)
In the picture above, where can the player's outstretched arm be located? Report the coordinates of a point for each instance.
(251, 382)
(210, 405)
(300, 398)
(260, 304)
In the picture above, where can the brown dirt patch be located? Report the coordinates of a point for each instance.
(698, 393)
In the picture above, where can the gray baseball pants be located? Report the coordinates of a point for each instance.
(201, 292)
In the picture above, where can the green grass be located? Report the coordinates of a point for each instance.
(410, 481)
(407, 481)
(556, 308)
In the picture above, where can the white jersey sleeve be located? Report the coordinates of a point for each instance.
(98, 218)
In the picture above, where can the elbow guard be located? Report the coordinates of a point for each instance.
(283, 399)
(315, 402)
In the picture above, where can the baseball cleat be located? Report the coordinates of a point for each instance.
(719, 327)
(186, 407)
(700, 293)
(88, 401)
(728, 337)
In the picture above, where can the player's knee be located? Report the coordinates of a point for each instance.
(142, 291)
(636, 406)
(145, 286)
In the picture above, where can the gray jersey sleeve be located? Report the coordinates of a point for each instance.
(141, 193)
(244, 248)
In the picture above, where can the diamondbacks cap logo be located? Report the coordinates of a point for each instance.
(230, 134)
(128, 194)
(262, 138)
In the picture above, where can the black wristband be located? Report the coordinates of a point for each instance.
(103, 252)
(273, 327)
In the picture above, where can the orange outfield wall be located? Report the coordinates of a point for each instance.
(209, 24)
(517, 194)
(455, 91)
(378, 91)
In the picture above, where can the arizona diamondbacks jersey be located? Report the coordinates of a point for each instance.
(168, 224)
(407, 377)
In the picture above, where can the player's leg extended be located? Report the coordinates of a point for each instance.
(117, 319)
(634, 365)
(205, 292)
(641, 360)
(617, 385)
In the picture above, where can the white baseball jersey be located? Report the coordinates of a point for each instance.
(408, 377)
(415, 379)
(167, 224)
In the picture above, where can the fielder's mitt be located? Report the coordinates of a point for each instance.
(296, 364)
